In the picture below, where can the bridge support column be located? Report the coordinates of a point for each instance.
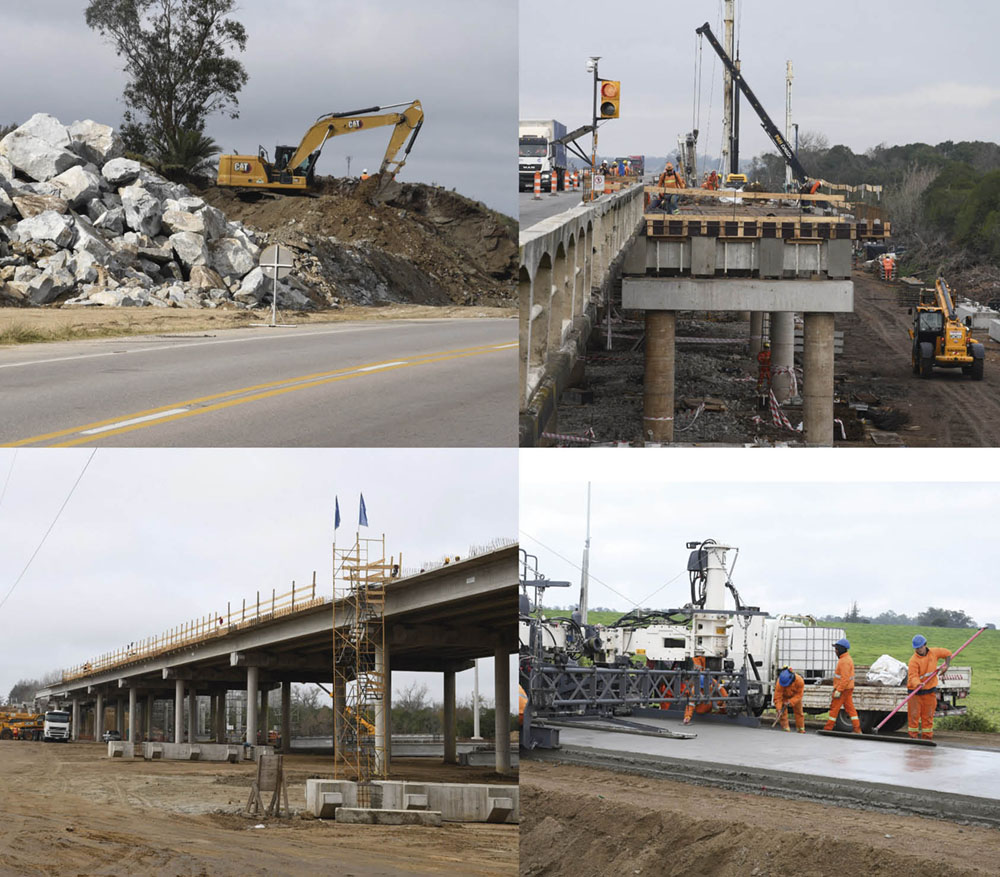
(99, 717)
(782, 353)
(450, 726)
(133, 725)
(75, 731)
(286, 715)
(150, 702)
(817, 368)
(383, 730)
(179, 711)
(501, 684)
(192, 715)
(265, 714)
(658, 392)
(213, 706)
(120, 716)
(253, 677)
(220, 718)
(340, 693)
(756, 333)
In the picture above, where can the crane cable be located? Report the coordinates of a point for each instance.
(17, 581)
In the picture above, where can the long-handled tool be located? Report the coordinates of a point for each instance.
(777, 718)
(876, 736)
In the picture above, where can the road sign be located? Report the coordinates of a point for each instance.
(276, 262)
(598, 185)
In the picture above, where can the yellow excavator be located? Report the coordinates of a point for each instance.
(941, 339)
(293, 167)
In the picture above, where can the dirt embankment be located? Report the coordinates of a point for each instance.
(422, 245)
(71, 810)
(578, 822)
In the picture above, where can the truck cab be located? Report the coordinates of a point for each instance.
(56, 726)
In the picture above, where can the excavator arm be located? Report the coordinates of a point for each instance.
(407, 124)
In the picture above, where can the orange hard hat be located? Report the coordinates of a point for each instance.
(670, 167)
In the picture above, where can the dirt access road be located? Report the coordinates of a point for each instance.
(945, 410)
(579, 822)
(71, 810)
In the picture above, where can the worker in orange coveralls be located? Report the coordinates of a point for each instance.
(711, 181)
(843, 688)
(923, 668)
(788, 696)
(704, 687)
(764, 368)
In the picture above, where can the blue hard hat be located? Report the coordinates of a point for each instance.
(919, 640)
(846, 643)
(786, 677)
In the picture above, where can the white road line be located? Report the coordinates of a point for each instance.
(122, 423)
(505, 346)
(372, 368)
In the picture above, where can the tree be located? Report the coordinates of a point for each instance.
(175, 54)
(933, 616)
(904, 201)
(853, 614)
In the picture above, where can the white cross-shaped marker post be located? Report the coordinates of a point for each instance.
(276, 263)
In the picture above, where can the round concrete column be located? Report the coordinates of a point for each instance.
(120, 716)
(756, 334)
(782, 353)
(339, 698)
(133, 725)
(220, 718)
(286, 715)
(253, 675)
(99, 717)
(658, 394)
(75, 730)
(501, 676)
(265, 714)
(179, 711)
(817, 368)
(450, 724)
(150, 700)
(192, 715)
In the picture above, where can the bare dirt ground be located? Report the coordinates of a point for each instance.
(24, 325)
(68, 810)
(946, 410)
(578, 822)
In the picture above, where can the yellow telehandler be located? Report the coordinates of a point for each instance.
(941, 339)
(293, 167)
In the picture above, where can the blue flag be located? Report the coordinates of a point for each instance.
(336, 513)
(363, 515)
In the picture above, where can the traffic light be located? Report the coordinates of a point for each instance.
(610, 96)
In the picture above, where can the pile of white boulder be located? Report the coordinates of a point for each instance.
(83, 226)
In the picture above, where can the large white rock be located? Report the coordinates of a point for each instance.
(190, 248)
(95, 142)
(180, 220)
(78, 186)
(203, 277)
(112, 220)
(215, 222)
(143, 210)
(6, 168)
(47, 128)
(232, 257)
(121, 171)
(6, 205)
(35, 158)
(161, 186)
(85, 265)
(51, 284)
(47, 226)
(29, 205)
(89, 240)
(253, 288)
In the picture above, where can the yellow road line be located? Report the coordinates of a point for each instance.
(167, 413)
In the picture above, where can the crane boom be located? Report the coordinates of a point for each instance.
(765, 120)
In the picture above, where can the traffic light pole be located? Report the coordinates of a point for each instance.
(593, 150)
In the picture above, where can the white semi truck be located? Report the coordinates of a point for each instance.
(537, 153)
(56, 726)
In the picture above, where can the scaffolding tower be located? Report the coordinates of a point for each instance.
(361, 573)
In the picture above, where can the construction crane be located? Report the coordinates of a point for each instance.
(798, 172)
(941, 339)
(293, 168)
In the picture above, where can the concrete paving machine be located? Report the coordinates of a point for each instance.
(941, 340)
(293, 168)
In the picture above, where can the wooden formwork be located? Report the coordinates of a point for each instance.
(798, 228)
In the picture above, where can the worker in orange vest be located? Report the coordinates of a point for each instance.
(701, 689)
(843, 688)
(669, 179)
(923, 668)
(711, 181)
(788, 696)
(764, 368)
(364, 174)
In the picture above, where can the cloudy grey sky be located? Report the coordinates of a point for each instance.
(897, 72)
(307, 58)
(154, 538)
(810, 541)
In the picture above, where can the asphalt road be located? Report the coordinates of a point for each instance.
(403, 383)
(531, 211)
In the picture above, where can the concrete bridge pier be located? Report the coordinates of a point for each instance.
(179, 711)
(658, 384)
(286, 715)
(253, 687)
(383, 732)
(782, 353)
(99, 717)
(133, 724)
(817, 369)
(150, 701)
(76, 719)
(756, 333)
(265, 713)
(501, 684)
(340, 694)
(120, 716)
(192, 715)
(450, 724)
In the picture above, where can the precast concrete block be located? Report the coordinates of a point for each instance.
(635, 257)
(500, 809)
(152, 751)
(772, 257)
(838, 259)
(121, 749)
(323, 797)
(995, 330)
(194, 753)
(361, 816)
(414, 802)
(703, 256)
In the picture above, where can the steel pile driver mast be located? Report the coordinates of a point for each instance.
(783, 146)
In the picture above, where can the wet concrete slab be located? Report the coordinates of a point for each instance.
(958, 783)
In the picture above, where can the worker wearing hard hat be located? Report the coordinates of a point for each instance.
(764, 368)
(788, 696)
(700, 690)
(843, 688)
(364, 174)
(923, 668)
(669, 179)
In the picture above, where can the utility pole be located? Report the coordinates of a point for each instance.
(585, 573)
(348, 165)
(592, 66)
(788, 120)
(727, 90)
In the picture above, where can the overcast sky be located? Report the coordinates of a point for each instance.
(153, 538)
(306, 58)
(810, 541)
(899, 71)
